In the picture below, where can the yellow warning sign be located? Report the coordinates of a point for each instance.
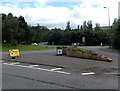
(14, 52)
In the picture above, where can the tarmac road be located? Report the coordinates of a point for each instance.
(105, 74)
(16, 77)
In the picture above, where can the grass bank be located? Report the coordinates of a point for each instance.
(6, 47)
(114, 49)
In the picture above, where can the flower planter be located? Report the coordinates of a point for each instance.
(74, 53)
(64, 50)
(104, 58)
(77, 54)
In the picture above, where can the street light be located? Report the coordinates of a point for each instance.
(108, 19)
(108, 16)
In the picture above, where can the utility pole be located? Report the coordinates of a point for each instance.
(108, 15)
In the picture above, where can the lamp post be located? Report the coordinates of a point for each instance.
(108, 19)
(108, 16)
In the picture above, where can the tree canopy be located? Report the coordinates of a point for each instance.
(16, 31)
(115, 34)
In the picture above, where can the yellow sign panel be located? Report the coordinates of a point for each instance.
(14, 52)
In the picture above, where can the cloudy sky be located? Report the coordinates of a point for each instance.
(55, 13)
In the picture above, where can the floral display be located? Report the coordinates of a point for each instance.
(83, 53)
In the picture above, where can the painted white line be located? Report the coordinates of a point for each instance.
(90, 73)
(62, 72)
(33, 66)
(113, 73)
(6, 63)
(12, 63)
(56, 69)
(15, 63)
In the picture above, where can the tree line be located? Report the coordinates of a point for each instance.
(15, 30)
(115, 34)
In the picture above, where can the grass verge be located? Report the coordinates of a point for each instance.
(6, 47)
(114, 49)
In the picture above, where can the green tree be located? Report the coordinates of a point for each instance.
(3, 16)
(55, 36)
(39, 33)
(26, 30)
(89, 25)
(10, 29)
(84, 26)
(102, 37)
(97, 27)
(68, 28)
(81, 28)
(115, 37)
(78, 27)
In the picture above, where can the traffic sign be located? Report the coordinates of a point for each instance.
(59, 51)
(14, 52)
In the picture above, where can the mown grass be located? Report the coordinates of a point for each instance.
(6, 47)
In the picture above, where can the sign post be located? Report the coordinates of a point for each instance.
(83, 40)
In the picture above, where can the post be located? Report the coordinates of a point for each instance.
(83, 40)
(119, 12)
(108, 15)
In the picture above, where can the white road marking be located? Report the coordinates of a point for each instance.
(30, 67)
(6, 63)
(56, 69)
(11, 63)
(62, 72)
(33, 66)
(15, 63)
(112, 73)
(90, 73)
